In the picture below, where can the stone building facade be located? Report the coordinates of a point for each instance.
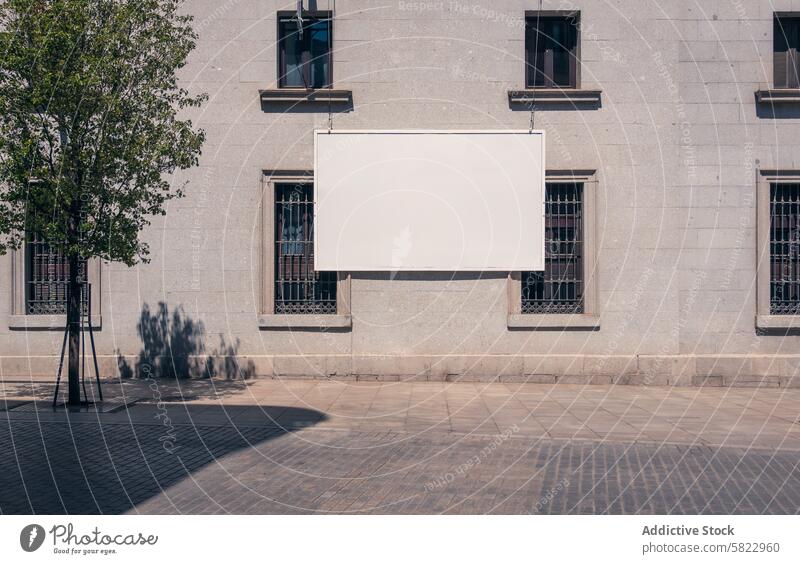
(671, 121)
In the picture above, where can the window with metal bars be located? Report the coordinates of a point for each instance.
(304, 50)
(784, 249)
(551, 49)
(786, 45)
(47, 278)
(559, 288)
(298, 287)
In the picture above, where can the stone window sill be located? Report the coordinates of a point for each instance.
(554, 96)
(302, 95)
(550, 322)
(768, 322)
(46, 322)
(778, 96)
(305, 321)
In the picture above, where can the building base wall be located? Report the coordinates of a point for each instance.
(773, 371)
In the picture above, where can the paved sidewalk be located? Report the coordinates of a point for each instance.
(763, 418)
(267, 446)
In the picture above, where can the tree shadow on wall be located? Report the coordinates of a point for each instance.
(173, 346)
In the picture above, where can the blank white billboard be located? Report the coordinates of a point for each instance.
(429, 200)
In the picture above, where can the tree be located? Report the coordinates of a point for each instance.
(90, 129)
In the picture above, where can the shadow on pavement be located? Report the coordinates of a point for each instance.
(61, 463)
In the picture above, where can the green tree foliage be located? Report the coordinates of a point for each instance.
(89, 121)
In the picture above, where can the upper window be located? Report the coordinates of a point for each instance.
(560, 287)
(784, 249)
(304, 47)
(298, 287)
(46, 278)
(786, 43)
(551, 50)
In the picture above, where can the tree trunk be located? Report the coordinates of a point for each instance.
(74, 329)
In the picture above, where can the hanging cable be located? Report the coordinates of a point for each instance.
(330, 62)
(535, 69)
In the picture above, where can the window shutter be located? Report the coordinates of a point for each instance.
(573, 56)
(531, 58)
(780, 54)
(792, 63)
(779, 66)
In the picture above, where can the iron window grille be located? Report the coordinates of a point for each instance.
(560, 287)
(305, 59)
(784, 249)
(47, 278)
(786, 44)
(551, 50)
(299, 289)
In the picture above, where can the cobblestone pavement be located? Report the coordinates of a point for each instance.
(742, 417)
(223, 454)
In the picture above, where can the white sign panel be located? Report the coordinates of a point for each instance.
(429, 200)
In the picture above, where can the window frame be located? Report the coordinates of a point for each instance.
(781, 81)
(764, 319)
(589, 319)
(20, 319)
(268, 319)
(575, 58)
(281, 71)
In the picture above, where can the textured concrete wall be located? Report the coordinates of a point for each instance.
(676, 143)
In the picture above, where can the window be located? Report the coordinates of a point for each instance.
(786, 43)
(551, 50)
(559, 289)
(299, 289)
(564, 295)
(304, 50)
(46, 278)
(778, 236)
(293, 294)
(784, 249)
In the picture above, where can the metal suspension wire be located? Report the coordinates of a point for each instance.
(535, 68)
(331, 13)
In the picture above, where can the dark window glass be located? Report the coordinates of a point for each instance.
(784, 249)
(304, 55)
(298, 287)
(551, 50)
(47, 278)
(786, 44)
(559, 289)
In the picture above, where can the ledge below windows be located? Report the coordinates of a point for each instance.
(47, 322)
(301, 321)
(777, 322)
(553, 96)
(778, 96)
(553, 322)
(307, 96)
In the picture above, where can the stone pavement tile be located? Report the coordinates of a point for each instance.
(474, 426)
(573, 434)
